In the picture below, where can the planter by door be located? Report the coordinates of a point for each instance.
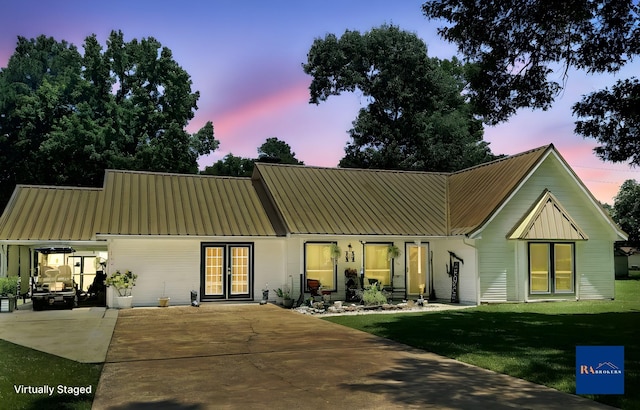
(7, 303)
(123, 302)
(288, 303)
(163, 301)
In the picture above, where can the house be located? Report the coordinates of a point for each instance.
(521, 228)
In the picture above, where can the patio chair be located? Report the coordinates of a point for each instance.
(314, 286)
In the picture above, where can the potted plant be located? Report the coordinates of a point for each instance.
(335, 252)
(123, 283)
(287, 300)
(279, 296)
(393, 252)
(163, 301)
(8, 290)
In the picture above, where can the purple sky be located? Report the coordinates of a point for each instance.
(245, 59)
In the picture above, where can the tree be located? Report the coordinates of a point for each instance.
(417, 117)
(518, 47)
(273, 150)
(626, 209)
(231, 166)
(66, 117)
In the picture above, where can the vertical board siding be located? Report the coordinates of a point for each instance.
(499, 265)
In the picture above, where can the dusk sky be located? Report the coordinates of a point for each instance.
(245, 59)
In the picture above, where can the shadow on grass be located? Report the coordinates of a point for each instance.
(532, 346)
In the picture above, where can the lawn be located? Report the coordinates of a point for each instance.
(23, 366)
(532, 341)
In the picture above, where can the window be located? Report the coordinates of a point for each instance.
(551, 268)
(377, 264)
(319, 265)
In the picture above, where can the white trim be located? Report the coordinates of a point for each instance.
(33, 242)
(189, 237)
(475, 233)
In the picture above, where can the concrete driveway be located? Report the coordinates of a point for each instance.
(251, 356)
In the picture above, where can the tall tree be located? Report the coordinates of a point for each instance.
(231, 166)
(417, 117)
(523, 50)
(626, 209)
(66, 117)
(275, 150)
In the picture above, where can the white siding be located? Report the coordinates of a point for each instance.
(467, 285)
(174, 264)
(503, 263)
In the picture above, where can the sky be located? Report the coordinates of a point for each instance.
(245, 58)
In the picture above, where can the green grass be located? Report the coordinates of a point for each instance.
(23, 366)
(532, 341)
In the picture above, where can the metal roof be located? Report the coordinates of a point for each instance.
(476, 193)
(50, 213)
(548, 220)
(277, 200)
(144, 203)
(343, 201)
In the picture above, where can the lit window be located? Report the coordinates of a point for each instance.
(319, 264)
(551, 268)
(377, 265)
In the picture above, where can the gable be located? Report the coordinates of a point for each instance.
(548, 220)
(477, 193)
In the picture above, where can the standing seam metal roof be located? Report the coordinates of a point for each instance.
(277, 200)
(343, 201)
(139, 203)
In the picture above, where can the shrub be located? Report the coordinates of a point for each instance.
(373, 295)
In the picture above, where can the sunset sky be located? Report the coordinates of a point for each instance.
(245, 59)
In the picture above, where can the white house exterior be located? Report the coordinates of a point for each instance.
(522, 228)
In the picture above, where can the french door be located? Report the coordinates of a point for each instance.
(227, 271)
(417, 269)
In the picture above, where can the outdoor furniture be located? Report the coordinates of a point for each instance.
(314, 286)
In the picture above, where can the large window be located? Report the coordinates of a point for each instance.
(377, 265)
(551, 267)
(319, 264)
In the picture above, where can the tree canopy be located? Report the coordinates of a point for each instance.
(272, 150)
(417, 117)
(65, 117)
(626, 210)
(522, 52)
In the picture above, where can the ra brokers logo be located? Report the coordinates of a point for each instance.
(599, 369)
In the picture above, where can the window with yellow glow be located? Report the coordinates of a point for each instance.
(551, 267)
(377, 264)
(319, 264)
(539, 258)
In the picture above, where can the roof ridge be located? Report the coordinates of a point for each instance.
(35, 186)
(178, 174)
(508, 157)
(397, 171)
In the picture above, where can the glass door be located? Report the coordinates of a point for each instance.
(417, 269)
(226, 271)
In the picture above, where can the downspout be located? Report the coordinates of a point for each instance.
(3, 261)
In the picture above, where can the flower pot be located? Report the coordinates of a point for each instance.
(288, 303)
(7, 303)
(124, 302)
(163, 301)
